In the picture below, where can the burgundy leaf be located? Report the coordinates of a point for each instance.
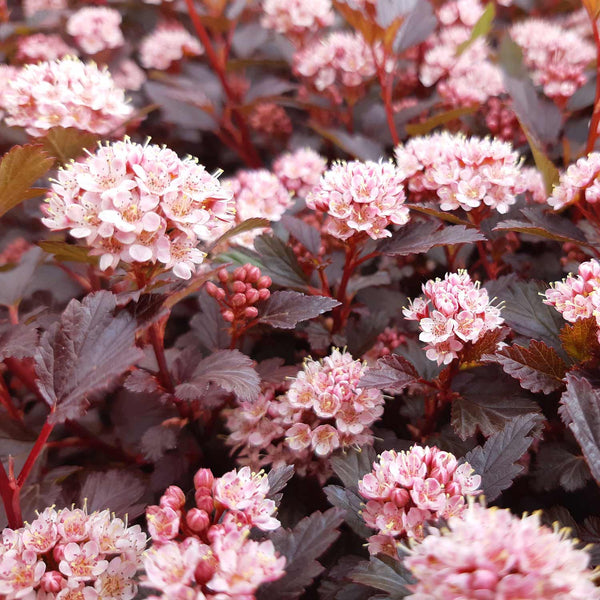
(558, 465)
(17, 341)
(392, 373)
(352, 504)
(83, 353)
(385, 574)
(308, 235)
(285, 309)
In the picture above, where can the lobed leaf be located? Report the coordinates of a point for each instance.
(580, 339)
(279, 262)
(17, 341)
(66, 144)
(392, 373)
(496, 460)
(557, 465)
(83, 352)
(308, 235)
(385, 574)
(351, 503)
(538, 368)
(14, 282)
(352, 465)
(301, 546)
(285, 309)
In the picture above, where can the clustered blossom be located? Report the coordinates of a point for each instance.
(40, 46)
(463, 12)
(31, 7)
(462, 172)
(361, 197)
(238, 293)
(300, 171)
(455, 311)
(387, 341)
(206, 552)
(139, 204)
(96, 28)
(324, 409)
(257, 193)
(167, 44)
(502, 121)
(68, 554)
(64, 93)
(407, 490)
(557, 57)
(127, 75)
(579, 181)
(296, 19)
(339, 65)
(488, 553)
(271, 120)
(578, 297)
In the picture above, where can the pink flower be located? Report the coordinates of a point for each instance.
(31, 7)
(40, 46)
(65, 93)
(171, 566)
(490, 553)
(297, 19)
(96, 28)
(127, 75)
(360, 197)
(300, 171)
(167, 44)
(82, 562)
(20, 573)
(578, 182)
(407, 489)
(163, 523)
(455, 310)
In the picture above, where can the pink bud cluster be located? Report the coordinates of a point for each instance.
(502, 121)
(488, 553)
(578, 297)
(339, 65)
(96, 28)
(167, 44)
(360, 198)
(462, 172)
(65, 93)
(205, 552)
(387, 341)
(297, 19)
(407, 490)
(31, 7)
(68, 554)
(238, 293)
(300, 171)
(454, 311)
(324, 409)
(557, 57)
(580, 181)
(139, 204)
(270, 120)
(257, 193)
(41, 46)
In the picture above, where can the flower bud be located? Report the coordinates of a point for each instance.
(253, 273)
(223, 275)
(52, 582)
(263, 294)
(264, 282)
(173, 497)
(251, 312)
(238, 300)
(238, 287)
(228, 316)
(252, 296)
(205, 503)
(204, 479)
(197, 520)
(212, 289)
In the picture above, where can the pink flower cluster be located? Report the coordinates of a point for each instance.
(488, 553)
(31, 7)
(167, 44)
(257, 193)
(139, 204)
(578, 297)
(454, 311)
(65, 93)
(462, 172)
(580, 181)
(68, 554)
(557, 57)
(297, 19)
(96, 28)
(300, 171)
(360, 198)
(270, 120)
(463, 12)
(387, 341)
(205, 552)
(239, 292)
(339, 65)
(407, 490)
(41, 46)
(323, 409)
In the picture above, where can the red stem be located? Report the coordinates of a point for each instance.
(35, 452)
(386, 82)
(595, 122)
(13, 314)
(157, 341)
(6, 401)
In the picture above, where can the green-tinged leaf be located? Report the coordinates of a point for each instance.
(474, 353)
(20, 168)
(538, 368)
(65, 144)
(286, 309)
(247, 225)
(488, 400)
(580, 412)
(414, 129)
(385, 574)
(280, 262)
(419, 237)
(545, 166)
(580, 339)
(435, 211)
(480, 29)
(64, 252)
(496, 460)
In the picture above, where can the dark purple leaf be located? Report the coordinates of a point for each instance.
(83, 353)
(142, 382)
(352, 504)
(280, 262)
(352, 465)
(159, 439)
(66, 144)
(496, 460)
(285, 309)
(559, 466)
(208, 327)
(419, 237)
(14, 282)
(308, 235)
(278, 479)
(419, 24)
(385, 574)
(580, 412)
(301, 546)
(392, 373)
(17, 341)
(358, 146)
(229, 369)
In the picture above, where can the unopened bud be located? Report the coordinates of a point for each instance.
(173, 497)
(52, 582)
(197, 520)
(264, 282)
(228, 316)
(204, 478)
(253, 274)
(252, 295)
(223, 275)
(251, 312)
(239, 287)
(238, 300)
(264, 294)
